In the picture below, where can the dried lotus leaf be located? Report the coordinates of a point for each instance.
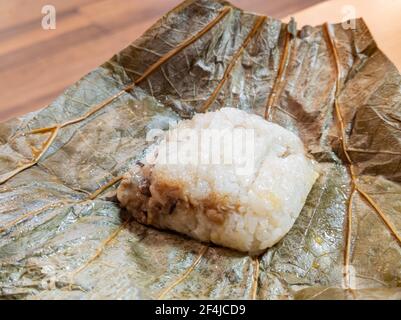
(62, 235)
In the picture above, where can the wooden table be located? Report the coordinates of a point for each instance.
(37, 65)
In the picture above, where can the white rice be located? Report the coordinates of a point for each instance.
(248, 210)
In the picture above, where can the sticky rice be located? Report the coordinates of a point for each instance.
(244, 190)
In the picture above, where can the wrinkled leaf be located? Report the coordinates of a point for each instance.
(62, 234)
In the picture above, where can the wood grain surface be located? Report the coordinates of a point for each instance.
(36, 65)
